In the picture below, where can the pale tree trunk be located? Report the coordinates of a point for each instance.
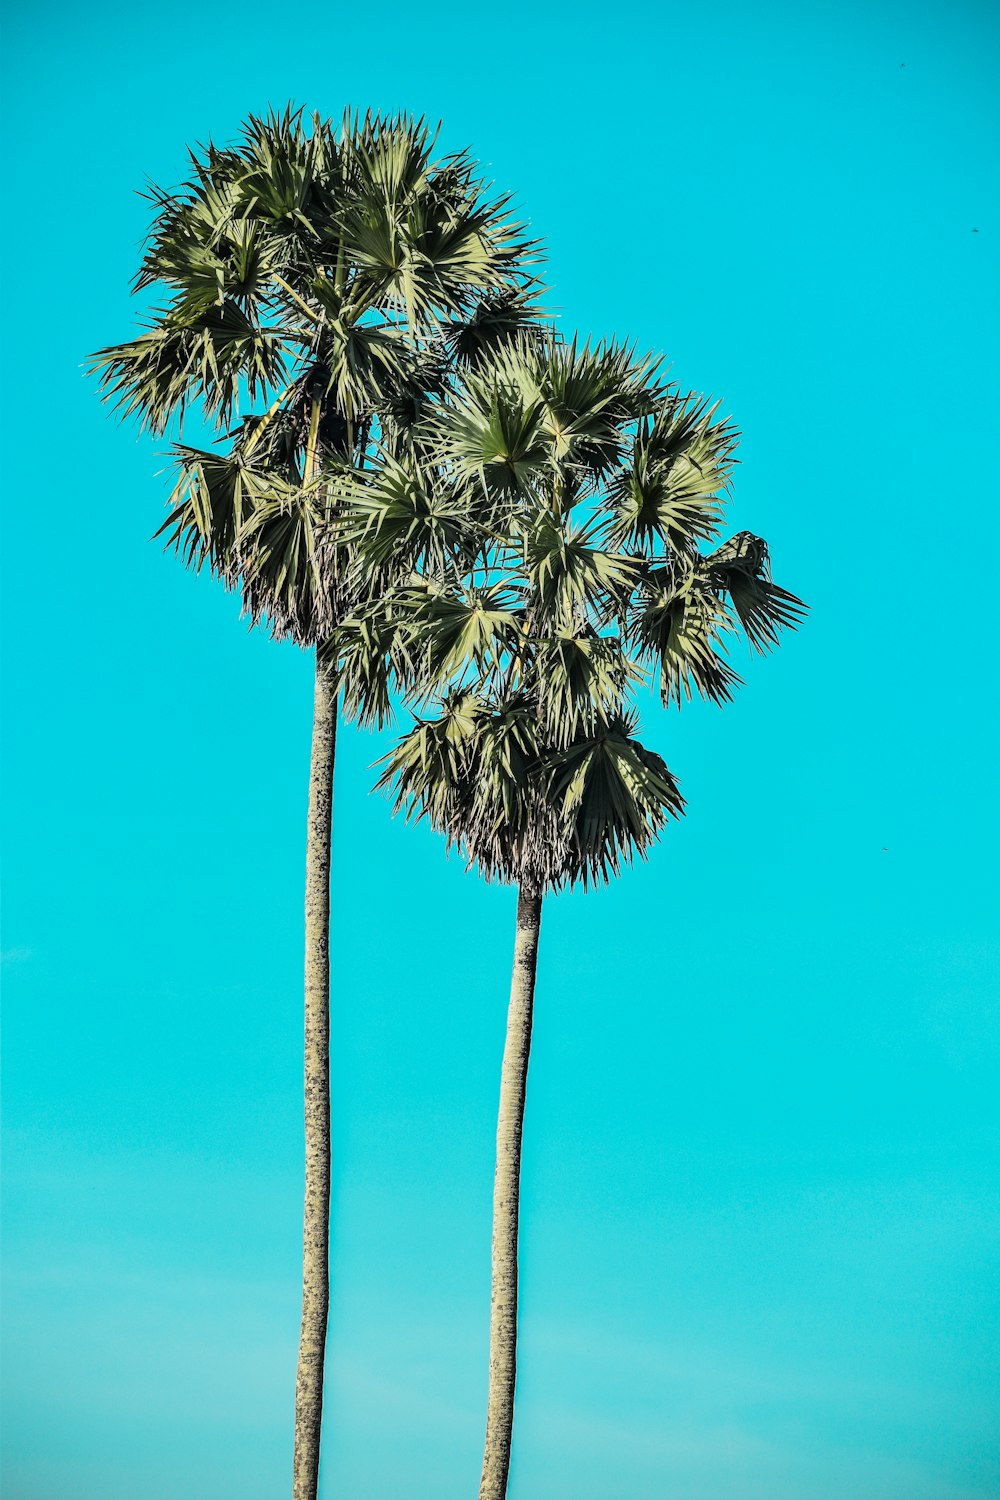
(316, 1217)
(506, 1188)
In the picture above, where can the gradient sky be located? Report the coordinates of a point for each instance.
(760, 1242)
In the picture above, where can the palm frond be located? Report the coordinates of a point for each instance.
(570, 576)
(513, 312)
(404, 513)
(452, 631)
(580, 681)
(491, 432)
(371, 658)
(615, 796)
(270, 537)
(290, 570)
(210, 358)
(426, 770)
(588, 397)
(524, 811)
(673, 489)
(679, 626)
(741, 568)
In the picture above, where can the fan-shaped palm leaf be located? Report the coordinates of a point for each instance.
(588, 396)
(616, 797)
(580, 682)
(570, 576)
(742, 568)
(512, 312)
(672, 491)
(460, 628)
(406, 512)
(679, 627)
(211, 357)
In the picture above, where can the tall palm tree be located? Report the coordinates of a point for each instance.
(326, 279)
(601, 491)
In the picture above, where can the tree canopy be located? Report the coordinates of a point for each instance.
(571, 555)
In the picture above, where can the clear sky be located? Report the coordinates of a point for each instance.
(760, 1249)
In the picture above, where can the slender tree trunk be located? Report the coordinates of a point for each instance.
(506, 1188)
(316, 1217)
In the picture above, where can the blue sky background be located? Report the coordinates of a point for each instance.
(760, 1234)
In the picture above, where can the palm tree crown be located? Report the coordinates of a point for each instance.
(593, 566)
(326, 277)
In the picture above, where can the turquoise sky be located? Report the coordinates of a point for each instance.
(760, 1236)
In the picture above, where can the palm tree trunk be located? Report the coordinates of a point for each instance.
(506, 1188)
(316, 1217)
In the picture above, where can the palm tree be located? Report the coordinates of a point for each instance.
(600, 487)
(328, 280)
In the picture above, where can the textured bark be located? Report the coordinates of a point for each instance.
(506, 1189)
(316, 1217)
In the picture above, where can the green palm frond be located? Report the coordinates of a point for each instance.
(495, 322)
(426, 770)
(741, 567)
(370, 655)
(534, 417)
(210, 358)
(508, 827)
(473, 774)
(290, 570)
(491, 432)
(679, 627)
(615, 797)
(206, 255)
(213, 498)
(262, 533)
(459, 629)
(522, 810)
(579, 682)
(673, 489)
(284, 180)
(408, 408)
(405, 513)
(569, 575)
(425, 234)
(359, 368)
(390, 157)
(190, 221)
(588, 396)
